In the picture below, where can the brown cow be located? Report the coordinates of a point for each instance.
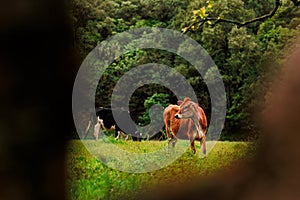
(197, 123)
(186, 125)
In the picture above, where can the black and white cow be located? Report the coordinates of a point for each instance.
(122, 116)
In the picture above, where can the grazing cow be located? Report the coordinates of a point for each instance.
(197, 123)
(108, 122)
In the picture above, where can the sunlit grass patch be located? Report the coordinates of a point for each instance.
(89, 178)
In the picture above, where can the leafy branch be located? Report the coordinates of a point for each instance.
(201, 16)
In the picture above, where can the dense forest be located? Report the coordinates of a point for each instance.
(247, 55)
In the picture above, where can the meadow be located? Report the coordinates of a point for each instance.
(89, 178)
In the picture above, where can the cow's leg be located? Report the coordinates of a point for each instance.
(203, 144)
(123, 135)
(173, 139)
(171, 146)
(169, 142)
(199, 129)
(117, 133)
(192, 136)
(118, 136)
(192, 141)
(167, 128)
(172, 142)
(136, 136)
(202, 136)
(97, 131)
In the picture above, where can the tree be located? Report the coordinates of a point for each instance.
(241, 36)
(209, 13)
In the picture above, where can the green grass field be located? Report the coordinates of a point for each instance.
(89, 178)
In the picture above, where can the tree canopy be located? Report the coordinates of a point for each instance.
(246, 39)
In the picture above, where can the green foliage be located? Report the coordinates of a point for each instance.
(242, 55)
(149, 23)
(156, 98)
(112, 74)
(161, 99)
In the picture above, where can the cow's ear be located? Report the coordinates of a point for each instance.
(179, 102)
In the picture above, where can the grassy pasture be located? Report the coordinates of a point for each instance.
(89, 178)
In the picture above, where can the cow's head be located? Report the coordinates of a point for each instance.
(186, 110)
